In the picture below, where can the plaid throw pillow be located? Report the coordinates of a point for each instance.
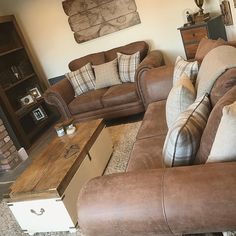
(181, 96)
(183, 138)
(189, 68)
(82, 80)
(127, 66)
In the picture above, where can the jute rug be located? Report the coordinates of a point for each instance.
(123, 137)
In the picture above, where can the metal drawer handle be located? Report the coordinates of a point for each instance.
(38, 214)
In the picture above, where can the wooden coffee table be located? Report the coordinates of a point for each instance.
(43, 198)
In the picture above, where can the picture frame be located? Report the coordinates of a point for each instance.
(27, 100)
(234, 3)
(34, 92)
(226, 13)
(39, 114)
(25, 68)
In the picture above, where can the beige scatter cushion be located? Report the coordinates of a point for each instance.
(224, 146)
(181, 96)
(106, 74)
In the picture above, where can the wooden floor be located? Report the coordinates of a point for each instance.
(7, 178)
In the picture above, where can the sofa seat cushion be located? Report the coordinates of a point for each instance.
(120, 94)
(89, 101)
(154, 121)
(147, 154)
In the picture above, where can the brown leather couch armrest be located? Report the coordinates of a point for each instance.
(155, 84)
(153, 59)
(60, 95)
(182, 200)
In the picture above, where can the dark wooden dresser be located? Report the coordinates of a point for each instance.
(191, 35)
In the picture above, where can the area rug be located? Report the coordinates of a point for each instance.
(123, 137)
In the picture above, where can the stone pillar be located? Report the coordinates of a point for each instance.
(9, 157)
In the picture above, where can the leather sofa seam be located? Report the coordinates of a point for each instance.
(163, 200)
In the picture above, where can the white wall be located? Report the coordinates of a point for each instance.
(47, 31)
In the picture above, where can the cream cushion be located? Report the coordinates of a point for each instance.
(182, 66)
(183, 138)
(106, 74)
(224, 145)
(181, 96)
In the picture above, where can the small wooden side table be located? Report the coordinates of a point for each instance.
(191, 35)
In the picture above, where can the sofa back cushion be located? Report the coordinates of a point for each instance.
(94, 59)
(209, 133)
(222, 85)
(128, 49)
(206, 45)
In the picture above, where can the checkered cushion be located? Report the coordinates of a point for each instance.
(183, 138)
(181, 96)
(127, 66)
(82, 80)
(189, 68)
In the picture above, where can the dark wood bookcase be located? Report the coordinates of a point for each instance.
(21, 87)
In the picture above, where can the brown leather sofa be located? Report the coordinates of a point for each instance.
(116, 101)
(151, 200)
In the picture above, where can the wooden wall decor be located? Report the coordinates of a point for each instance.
(226, 13)
(90, 19)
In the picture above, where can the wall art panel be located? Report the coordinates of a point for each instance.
(90, 19)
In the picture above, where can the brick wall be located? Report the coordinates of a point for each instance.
(9, 157)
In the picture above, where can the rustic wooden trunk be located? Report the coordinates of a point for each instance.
(43, 198)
